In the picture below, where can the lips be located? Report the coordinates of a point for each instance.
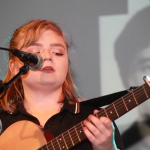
(47, 69)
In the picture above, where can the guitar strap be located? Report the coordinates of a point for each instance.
(107, 99)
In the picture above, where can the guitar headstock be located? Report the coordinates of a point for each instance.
(147, 80)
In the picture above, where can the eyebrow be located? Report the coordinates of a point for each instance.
(35, 44)
(57, 45)
(52, 45)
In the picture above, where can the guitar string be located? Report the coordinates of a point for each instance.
(74, 137)
(126, 97)
(137, 93)
(69, 144)
(63, 142)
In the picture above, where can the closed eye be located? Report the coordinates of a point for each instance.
(58, 54)
(37, 52)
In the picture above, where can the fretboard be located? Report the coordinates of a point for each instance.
(75, 135)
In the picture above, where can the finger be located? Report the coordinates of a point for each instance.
(107, 123)
(103, 126)
(92, 125)
(89, 130)
(96, 111)
(89, 123)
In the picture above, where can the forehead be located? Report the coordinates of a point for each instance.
(48, 34)
(50, 39)
(51, 36)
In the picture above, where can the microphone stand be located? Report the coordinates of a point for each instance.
(4, 86)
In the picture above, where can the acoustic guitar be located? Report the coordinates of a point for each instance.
(25, 135)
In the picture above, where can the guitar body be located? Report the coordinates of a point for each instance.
(22, 135)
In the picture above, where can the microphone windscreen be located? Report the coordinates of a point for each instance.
(39, 63)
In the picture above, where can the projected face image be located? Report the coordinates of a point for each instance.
(132, 52)
(140, 67)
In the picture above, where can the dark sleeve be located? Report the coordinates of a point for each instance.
(131, 136)
(117, 138)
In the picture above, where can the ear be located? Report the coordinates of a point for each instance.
(13, 66)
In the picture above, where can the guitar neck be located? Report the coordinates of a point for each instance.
(75, 135)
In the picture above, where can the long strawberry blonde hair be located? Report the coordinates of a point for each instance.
(25, 36)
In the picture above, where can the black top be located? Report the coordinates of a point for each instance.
(68, 117)
(137, 136)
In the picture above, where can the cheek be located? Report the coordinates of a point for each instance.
(64, 65)
(67, 66)
(64, 71)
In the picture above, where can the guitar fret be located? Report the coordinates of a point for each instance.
(106, 113)
(50, 146)
(121, 107)
(68, 140)
(143, 96)
(58, 142)
(46, 147)
(61, 142)
(134, 98)
(101, 113)
(77, 133)
(74, 135)
(124, 104)
(129, 101)
(115, 109)
(55, 144)
(111, 112)
(80, 132)
(145, 91)
(82, 125)
(64, 141)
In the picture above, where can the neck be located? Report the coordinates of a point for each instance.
(40, 100)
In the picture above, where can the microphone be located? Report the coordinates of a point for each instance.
(35, 61)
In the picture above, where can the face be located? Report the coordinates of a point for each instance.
(140, 67)
(53, 49)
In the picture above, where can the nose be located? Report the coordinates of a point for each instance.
(47, 55)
